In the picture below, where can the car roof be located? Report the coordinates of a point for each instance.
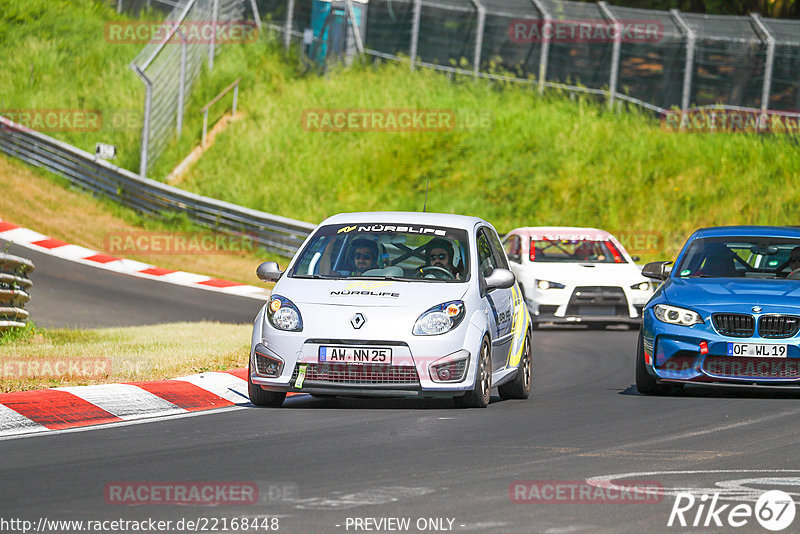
(749, 231)
(406, 217)
(565, 231)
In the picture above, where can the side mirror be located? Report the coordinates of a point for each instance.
(657, 270)
(499, 279)
(269, 271)
(635, 258)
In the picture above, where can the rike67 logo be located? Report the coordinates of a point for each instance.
(774, 510)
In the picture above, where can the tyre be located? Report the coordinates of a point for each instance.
(480, 396)
(520, 387)
(259, 397)
(645, 383)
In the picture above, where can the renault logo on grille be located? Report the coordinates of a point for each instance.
(357, 321)
(756, 309)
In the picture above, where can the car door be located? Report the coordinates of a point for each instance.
(498, 301)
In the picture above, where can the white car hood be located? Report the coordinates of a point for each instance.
(601, 274)
(369, 293)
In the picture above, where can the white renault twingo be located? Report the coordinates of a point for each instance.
(393, 304)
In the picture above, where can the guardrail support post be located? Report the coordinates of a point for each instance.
(287, 35)
(615, 57)
(767, 36)
(688, 70)
(415, 32)
(547, 31)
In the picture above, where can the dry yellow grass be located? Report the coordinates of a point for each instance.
(45, 204)
(55, 358)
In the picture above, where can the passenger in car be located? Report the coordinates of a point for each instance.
(439, 253)
(794, 264)
(720, 262)
(364, 255)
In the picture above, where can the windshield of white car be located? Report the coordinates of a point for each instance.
(398, 252)
(764, 258)
(574, 250)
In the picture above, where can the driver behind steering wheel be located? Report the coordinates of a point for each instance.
(439, 253)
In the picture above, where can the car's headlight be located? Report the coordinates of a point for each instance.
(544, 284)
(675, 315)
(440, 319)
(283, 314)
(641, 286)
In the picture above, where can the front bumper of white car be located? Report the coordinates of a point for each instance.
(587, 304)
(410, 372)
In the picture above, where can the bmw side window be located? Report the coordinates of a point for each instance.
(486, 258)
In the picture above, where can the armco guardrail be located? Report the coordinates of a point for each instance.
(274, 233)
(14, 286)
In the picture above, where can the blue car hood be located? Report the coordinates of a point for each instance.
(733, 292)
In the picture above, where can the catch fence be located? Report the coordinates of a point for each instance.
(657, 59)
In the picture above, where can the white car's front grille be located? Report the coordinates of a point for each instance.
(358, 374)
(598, 300)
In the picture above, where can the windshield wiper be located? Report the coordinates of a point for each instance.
(379, 277)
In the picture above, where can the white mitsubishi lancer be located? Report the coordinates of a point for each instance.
(393, 304)
(577, 276)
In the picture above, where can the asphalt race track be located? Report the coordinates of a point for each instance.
(327, 465)
(67, 294)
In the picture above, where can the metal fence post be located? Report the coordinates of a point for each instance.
(148, 104)
(119, 6)
(691, 38)
(181, 82)
(351, 15)
(615, 57)
(287, 35)
(547, 31)
(235, 100)
(256, 16)
(415, 32)
(476, 60)
(770, 61)
(212, 47)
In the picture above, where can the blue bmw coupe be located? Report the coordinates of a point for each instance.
(727, 313)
